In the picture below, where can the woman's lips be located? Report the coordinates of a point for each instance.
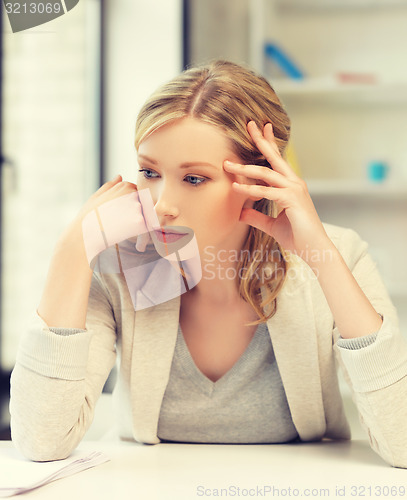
(165, 237)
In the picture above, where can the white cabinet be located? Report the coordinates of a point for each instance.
(348, 111)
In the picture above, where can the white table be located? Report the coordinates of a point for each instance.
(189, 471)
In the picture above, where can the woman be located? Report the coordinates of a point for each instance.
(248, 354)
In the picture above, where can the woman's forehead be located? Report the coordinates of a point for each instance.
(187, 136)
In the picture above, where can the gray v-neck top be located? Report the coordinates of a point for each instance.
(246, 405)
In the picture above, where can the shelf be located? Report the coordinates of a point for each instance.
(345, 187)
(323, 5)
(330, 87)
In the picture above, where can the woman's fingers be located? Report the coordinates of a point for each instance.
(109, 184)
(108, 192)
(257, 219)
(257, 172)
(265, 140)
(267, 145)
(269, 134)
(142, 241)
(116, 185)
(258, 192)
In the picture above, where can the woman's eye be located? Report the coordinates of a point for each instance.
(146, 173)
(193, 180)
(196, 181)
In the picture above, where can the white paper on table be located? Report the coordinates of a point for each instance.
(18, 474)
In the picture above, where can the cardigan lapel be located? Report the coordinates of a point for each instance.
(154, 339)
(294, 339)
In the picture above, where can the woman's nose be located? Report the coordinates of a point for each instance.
(166, 206)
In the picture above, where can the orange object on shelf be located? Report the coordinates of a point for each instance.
(364, 78)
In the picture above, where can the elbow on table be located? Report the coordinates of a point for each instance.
(399, 459)
(40, 451)
(394, 454)
(41, 446)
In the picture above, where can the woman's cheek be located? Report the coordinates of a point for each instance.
(233, 208)
(239, 200)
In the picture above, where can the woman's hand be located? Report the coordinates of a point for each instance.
(107, 192)
(297, 227)
(123, 220)
(64, 301)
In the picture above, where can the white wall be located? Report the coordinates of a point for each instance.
(47, 120)
(144, 49)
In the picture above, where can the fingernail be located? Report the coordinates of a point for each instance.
(141, 242)
(230, 164)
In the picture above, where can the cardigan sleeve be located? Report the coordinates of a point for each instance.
(376, 371)
(357, 342)
(57, 380)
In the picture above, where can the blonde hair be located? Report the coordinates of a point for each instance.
(228, 96)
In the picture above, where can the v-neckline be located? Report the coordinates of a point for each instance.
(207, 385)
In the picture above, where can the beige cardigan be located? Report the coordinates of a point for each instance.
(58, 379)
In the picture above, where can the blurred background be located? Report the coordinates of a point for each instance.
(71, 90)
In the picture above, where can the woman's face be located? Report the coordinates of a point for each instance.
(182, 165)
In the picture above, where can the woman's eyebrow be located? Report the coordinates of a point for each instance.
(183, 165)
(197, 164)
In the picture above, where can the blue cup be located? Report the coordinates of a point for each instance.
(377, 171)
